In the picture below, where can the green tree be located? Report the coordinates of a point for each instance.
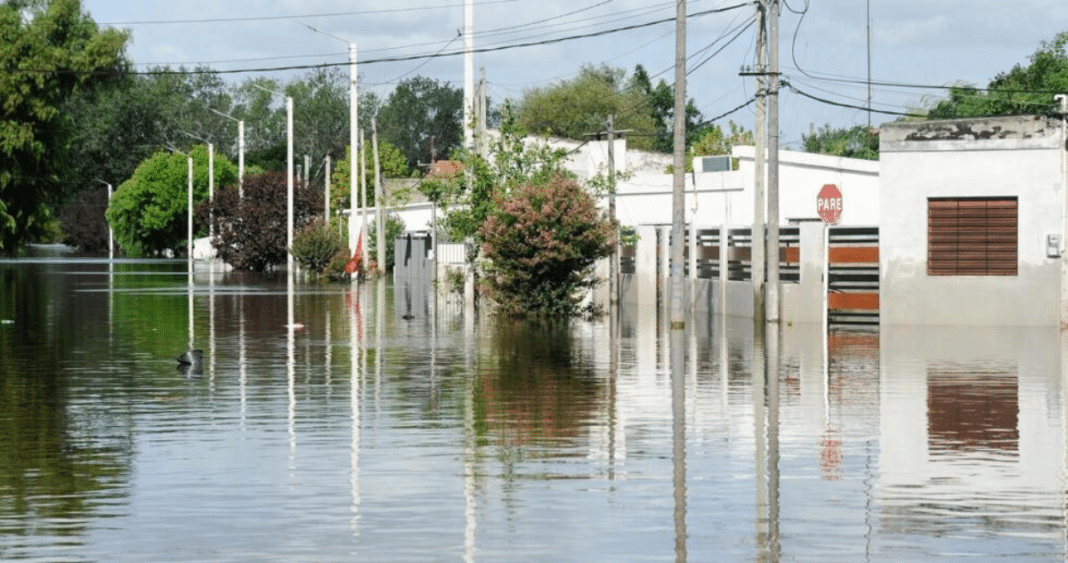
(390, 159)
(713, 141)
(1023, 90)
(853, 142)
(541, 243)
(422, 118)
(45, 56)
(661, 103)
(576, 108)
(474, 193)
(123, 121)
(148, 212)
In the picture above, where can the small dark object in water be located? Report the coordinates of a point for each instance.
(408, 317)
(191, 362)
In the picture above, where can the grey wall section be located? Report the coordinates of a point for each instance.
(997, 157)
(413, 258)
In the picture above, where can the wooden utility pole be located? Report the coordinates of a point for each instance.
(773, 163)
(756, 257)
(678, 211)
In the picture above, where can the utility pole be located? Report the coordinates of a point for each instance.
(613, 264)
(326, 194)
(379, 201)
(240, 151)
(773, 164)
(289, 185)
(756, 258)
(354, 142)
(678, 212)
(363, 196)
(469, 72)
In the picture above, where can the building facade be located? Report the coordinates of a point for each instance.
(972, 225)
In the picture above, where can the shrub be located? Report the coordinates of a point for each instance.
(316, 245)
(541, 244)
(394, 227)
(83, 220)
(250, 234)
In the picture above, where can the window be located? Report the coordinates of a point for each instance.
(972, 236)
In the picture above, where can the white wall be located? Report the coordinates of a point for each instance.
(914, 168)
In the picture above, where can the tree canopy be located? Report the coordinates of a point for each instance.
(1026, 89)
(854, 142)
(391, 161)
(423, 118)
(148, 212)
(45, 57)
(580, 107)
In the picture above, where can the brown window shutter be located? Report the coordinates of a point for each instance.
(972, 236)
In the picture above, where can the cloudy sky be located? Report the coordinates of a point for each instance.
(822, 44)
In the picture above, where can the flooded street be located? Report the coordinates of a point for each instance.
(363, 423)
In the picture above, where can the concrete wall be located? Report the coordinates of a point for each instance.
(1015, 156)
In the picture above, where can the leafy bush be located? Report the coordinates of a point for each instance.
(250, 234)
(83, 220)
(148, 211)
(542, 243)
(394, 227)
(316, 245)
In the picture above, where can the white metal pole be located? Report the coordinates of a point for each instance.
(363, 197)
(189, 216)
(211, 190)
(289, 184)
(111, 231)
(469, 72)
(326, 196)
(354, 142)
(379, 204)
(241, 159)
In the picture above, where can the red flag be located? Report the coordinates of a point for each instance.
(354, 264)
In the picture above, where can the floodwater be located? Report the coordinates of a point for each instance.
(326, 426)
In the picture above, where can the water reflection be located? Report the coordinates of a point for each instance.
(330, 426)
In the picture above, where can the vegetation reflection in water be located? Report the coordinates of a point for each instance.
(329, 425)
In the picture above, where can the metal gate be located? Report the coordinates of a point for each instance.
(853, 276)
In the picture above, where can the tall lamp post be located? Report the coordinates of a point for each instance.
(289, 176)
(189, 214)
(111, 231)
(353, 133)
(240, 151)
(211, 179)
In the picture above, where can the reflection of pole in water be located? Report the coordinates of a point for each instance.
(470, 520)
(760, 441)
(242, 368)
(380, 321)
(678, 439)
(190, 299)
(354, 401)
(291, 372)
(773, 442)
(211, 323)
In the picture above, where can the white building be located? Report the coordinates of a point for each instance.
(972, 221)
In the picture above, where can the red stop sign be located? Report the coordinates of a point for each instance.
(829, 204)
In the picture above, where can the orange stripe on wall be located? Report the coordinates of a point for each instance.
(856, 301)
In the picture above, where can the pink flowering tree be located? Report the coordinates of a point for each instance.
(541, 243)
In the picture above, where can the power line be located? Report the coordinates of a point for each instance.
(299, 16)
(442, 54)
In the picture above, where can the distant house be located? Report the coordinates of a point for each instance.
(972, 227)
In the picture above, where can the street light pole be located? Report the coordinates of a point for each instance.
(240, 152)
(111, 231)
(289, 185)
(289, 176)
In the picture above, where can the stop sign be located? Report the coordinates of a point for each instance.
(829, 204)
